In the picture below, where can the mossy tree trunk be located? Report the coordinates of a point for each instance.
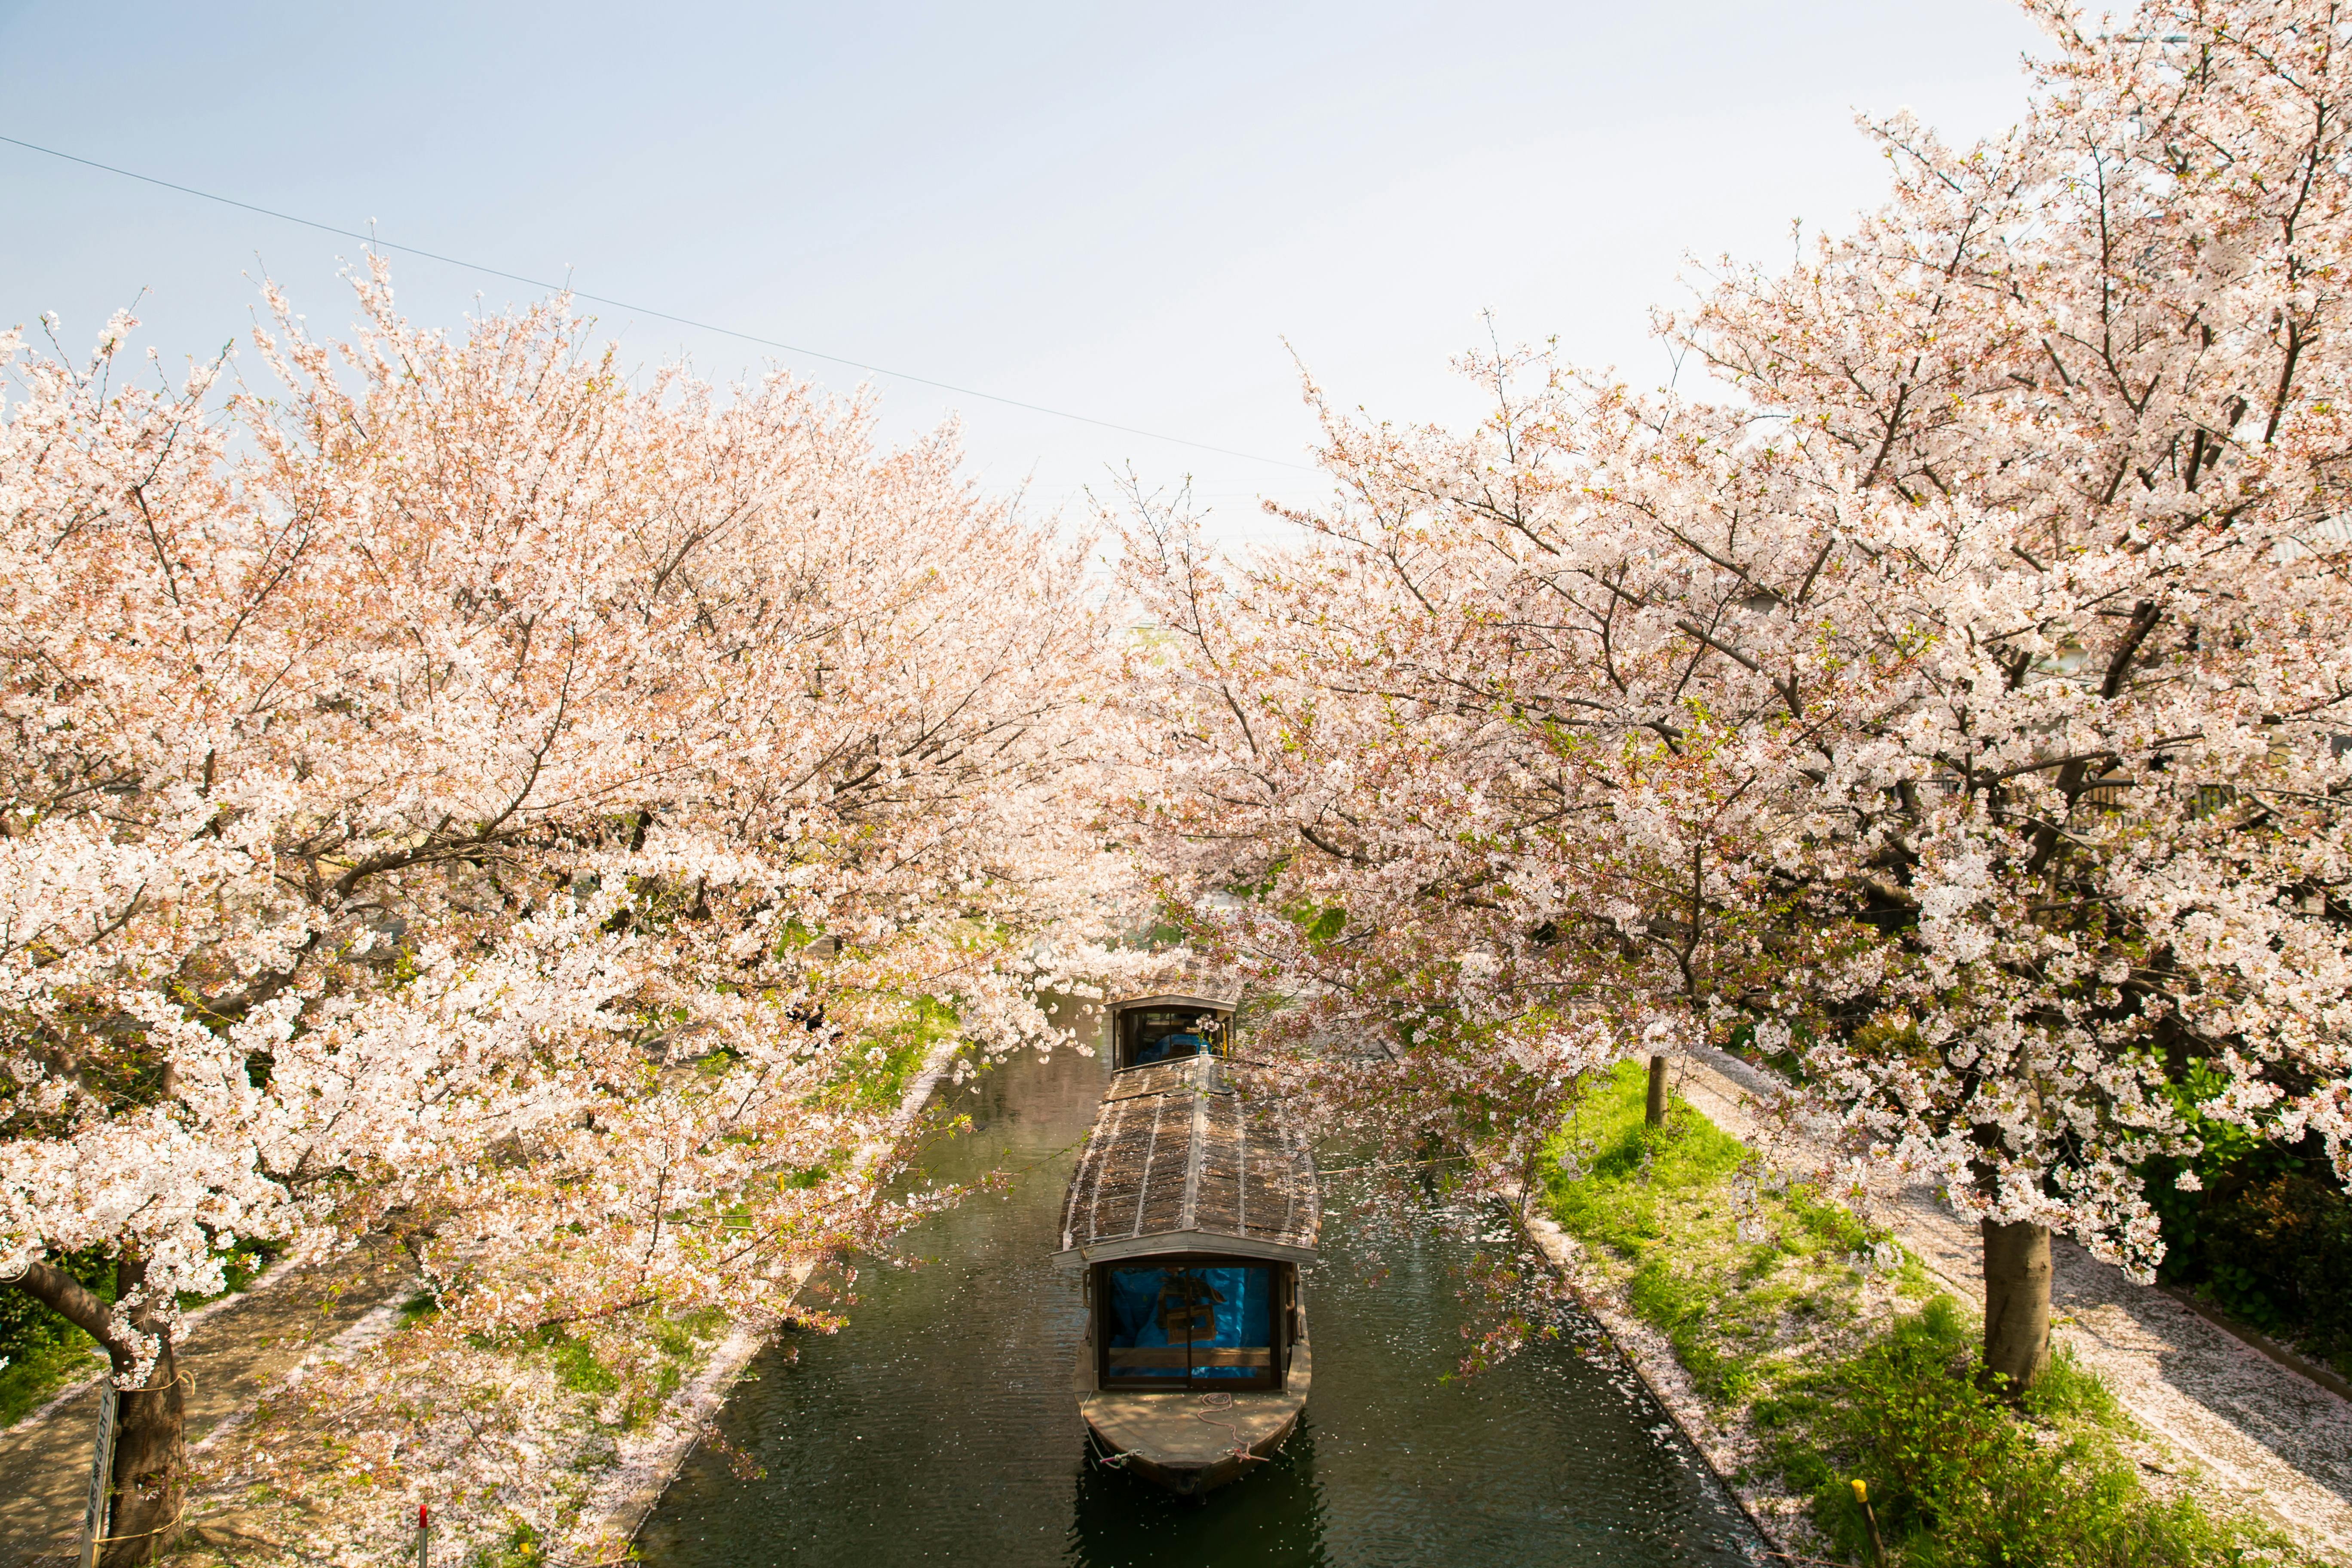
(2017, 1302)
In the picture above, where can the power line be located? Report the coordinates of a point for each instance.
(373, 241)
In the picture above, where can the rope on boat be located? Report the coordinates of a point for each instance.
(1216, 1400)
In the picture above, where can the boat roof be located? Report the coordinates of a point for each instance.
(1192, 1156)
(1174, 999)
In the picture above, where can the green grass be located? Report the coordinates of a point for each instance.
(650, 1365)
(1960, 1477)
(879, 1074)
(38, 1371)
(1761, 1288)
(522, 1548)
(575, 1364)
(1717, 1258)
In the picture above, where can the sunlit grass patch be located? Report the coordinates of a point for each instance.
(37, 1368)
(1795, 1317)
(880, 1070)
(1735, 1270)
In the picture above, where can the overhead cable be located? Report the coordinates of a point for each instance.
(374, 242)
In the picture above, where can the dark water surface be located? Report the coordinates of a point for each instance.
(939, 1425)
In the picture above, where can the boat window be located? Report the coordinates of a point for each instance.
(1164, 1033)
(1195, 1326)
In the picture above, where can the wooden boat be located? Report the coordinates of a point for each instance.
(1147, 1029)
(1192, 1209)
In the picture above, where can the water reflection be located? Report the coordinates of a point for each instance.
(1274, 1519)
(940, 1425)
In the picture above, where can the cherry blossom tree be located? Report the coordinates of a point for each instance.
(460, 793)
(2110, 344)
(1958, 707)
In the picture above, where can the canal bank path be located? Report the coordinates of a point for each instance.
(2264, 1436)
(238, 1349)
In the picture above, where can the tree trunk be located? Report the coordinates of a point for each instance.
(151, 1450)
(1655, 1112)
(2017, 1302)
(151, 1447)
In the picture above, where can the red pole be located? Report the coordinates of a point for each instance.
(422, 1519)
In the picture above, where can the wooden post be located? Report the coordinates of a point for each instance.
(101, 1477)
(1870, 1517)
(1654, 1113)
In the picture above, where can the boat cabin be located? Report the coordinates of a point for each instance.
(1191, 1208)
(1148, 1029)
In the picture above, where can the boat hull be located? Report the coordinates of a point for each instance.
(1192, 1443)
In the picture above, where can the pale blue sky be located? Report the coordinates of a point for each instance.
(1122, 211)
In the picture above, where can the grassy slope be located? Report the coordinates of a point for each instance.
(1794, 1317)
(896, 1053)
(38, 1370)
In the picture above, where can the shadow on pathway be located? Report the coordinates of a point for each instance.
(239, 1349)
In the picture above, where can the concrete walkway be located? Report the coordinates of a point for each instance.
(236, 1349)
(2269, 1439)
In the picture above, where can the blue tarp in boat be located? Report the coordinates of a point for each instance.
(1220, 1308)
(1184, 1043)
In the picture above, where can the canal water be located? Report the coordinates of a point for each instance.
(939, 1425)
